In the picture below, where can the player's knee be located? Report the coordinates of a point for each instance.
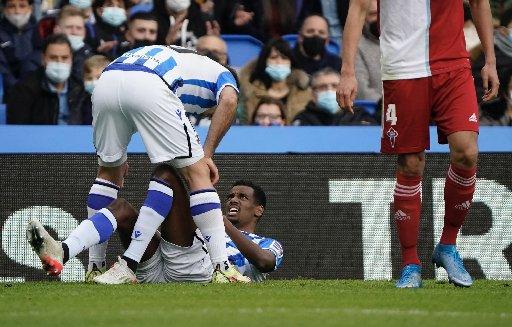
(466, 157)
(124, 212)
(411, 164)
(199, 171)
(168, 174)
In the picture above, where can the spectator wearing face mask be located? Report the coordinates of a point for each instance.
(310, 51)
(93, 67)
(107, 32)
(369, 81)
(20, 44)
(172, 21)
(49, 95)
(269, 112)
(71, 22)
(274, 75)
(323, 110)
(142, 31)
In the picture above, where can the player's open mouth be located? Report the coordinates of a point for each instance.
(233, 211)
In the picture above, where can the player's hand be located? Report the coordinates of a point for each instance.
(214, 171)
(347, 91)
(490, 81)
(212, 28)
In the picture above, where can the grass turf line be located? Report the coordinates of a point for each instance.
(273, 303)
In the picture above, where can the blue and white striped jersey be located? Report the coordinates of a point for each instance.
(197, 80)
(243, 265)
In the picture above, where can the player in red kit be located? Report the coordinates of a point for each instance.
(426, 75)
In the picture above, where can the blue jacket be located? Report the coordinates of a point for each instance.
(20, 51)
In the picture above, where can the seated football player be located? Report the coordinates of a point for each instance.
(177, 252)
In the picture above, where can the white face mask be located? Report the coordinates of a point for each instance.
(77, 42)
(58, 72)
(18, 20)
(177, 5)
(114, 16)
(81, 4)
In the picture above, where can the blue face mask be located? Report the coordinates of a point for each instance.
(89, 85)
(278, 72)
(327, 100)
(81, 4)
(114, 16)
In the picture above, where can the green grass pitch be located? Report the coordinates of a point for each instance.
(272, 303)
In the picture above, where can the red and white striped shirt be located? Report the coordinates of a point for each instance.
(420, 38)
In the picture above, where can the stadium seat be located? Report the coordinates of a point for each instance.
(333, 46)
(241, 49)
(3, 114)
(369, 105)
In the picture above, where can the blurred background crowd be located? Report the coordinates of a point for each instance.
(287, 53)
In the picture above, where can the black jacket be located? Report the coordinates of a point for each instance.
(314, 116)
(31, 102)
(20, 51)
(79, 58)
(101, 31)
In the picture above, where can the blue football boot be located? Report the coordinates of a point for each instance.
(448, 257)
(410, 277)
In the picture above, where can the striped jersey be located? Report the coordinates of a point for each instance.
(243, 265)
(421, 38)
(195, 79)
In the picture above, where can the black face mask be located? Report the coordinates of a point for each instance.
(374, 28)
(313, 45)
(142, 43)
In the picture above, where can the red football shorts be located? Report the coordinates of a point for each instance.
(447, 99)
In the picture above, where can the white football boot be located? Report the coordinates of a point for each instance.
(47, 249)
(119, 273)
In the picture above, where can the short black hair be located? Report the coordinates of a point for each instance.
(143, 16)
(259, 194)
(58, 38)
(506, 17)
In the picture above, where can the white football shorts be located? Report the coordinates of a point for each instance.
(125, 102)
(173, 263)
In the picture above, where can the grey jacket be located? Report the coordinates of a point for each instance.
(368, 67)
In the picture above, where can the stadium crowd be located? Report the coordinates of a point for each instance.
(52, 53)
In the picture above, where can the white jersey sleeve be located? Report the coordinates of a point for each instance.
(243, 265)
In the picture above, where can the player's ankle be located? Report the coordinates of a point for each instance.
(132, 264)
(65, 250)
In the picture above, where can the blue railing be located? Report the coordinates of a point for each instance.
(239, 139)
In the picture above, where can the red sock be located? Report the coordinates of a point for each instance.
(407, 207)
(458, 195)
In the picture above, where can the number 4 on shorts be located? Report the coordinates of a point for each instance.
(391, 114)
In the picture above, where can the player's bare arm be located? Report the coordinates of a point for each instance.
(481, 12)
(262, 259)
(221, 121)
(347, 90)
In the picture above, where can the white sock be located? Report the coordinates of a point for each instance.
(207, 214)
(102, 193)
(91, 231)
(156, 207)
